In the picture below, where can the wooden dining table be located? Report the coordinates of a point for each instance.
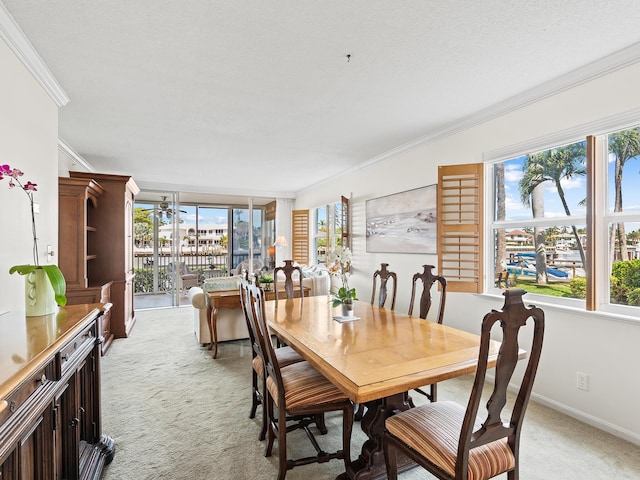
(375, 360)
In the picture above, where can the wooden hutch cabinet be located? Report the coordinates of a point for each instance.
(96, 245)
(50, 410)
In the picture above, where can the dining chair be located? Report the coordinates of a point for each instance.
(285, 355)
(288, 269)
(385, 275)
(428, 280)
(300, 394)
(448, 439)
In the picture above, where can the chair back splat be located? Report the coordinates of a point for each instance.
(384, 275)
(450, 441)
(511, 318)
(428, 279)
(288, 269)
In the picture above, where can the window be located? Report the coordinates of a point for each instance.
(565, 221)
(321, 234)
(331, 228)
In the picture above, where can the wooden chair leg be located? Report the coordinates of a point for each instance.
(320, 423)
(270, 428)
(390, 459)
(282, 445)
(265, 416)
(255, 400)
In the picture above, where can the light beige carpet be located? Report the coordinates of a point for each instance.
(175, 413)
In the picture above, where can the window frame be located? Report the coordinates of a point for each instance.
(597, 218)
(334, 220)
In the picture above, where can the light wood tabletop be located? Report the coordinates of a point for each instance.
(375, 360)
(381, 354)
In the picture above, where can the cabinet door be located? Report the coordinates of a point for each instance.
(35, 452)
(66, 431)
(9, 467)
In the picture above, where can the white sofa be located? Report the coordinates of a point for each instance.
(231, 322)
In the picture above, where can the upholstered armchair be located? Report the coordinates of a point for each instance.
(186, 278)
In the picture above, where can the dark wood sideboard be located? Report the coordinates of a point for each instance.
(50, 412)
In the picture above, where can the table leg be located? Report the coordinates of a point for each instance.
(213, 330)
(370, 464)
(210, 324)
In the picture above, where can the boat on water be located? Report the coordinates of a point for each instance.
(525, 265)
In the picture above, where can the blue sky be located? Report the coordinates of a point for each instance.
(575, 191)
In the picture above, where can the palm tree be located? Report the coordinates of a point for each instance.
(624, 145)
(539, 240)
(501, 241)
(554, 166)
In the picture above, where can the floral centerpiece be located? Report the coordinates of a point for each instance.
(339, 265)
(52, 272)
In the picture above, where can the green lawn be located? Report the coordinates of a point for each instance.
(553, 289)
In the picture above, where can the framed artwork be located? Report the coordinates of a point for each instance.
(403, 222)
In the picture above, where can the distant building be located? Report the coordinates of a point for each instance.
(518, 237)
(208, 235)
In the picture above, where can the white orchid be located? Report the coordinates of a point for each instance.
(339, 264)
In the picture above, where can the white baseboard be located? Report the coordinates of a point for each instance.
(588, 419)
(598, 423)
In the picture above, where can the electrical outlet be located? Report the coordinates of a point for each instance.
(582, 381)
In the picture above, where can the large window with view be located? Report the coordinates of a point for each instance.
(564, 213)
(179, 247)
(328, 232)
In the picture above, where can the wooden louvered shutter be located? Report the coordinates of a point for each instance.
(460, 226)
(300, 236)
(344, 220)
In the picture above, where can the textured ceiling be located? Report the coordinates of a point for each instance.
(256, 96)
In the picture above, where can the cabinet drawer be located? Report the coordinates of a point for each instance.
(105, 293)
(11, 404)
(105, 322)
(74, 351)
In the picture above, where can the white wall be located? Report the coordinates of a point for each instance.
(28, 141)
(607, 349)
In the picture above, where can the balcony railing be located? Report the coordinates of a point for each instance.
(206, 265)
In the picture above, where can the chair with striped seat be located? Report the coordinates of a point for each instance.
(297, 393)
(428, 279)
(285, 355)
(448, 440)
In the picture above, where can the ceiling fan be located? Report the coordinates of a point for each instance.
(164, 209)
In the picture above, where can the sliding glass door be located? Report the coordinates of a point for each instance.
(180, 245)
(156, 254)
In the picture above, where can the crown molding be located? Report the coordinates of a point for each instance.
(74, 156)
(577, 133)
(604, 66)
(213, 190)
(20, 45)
